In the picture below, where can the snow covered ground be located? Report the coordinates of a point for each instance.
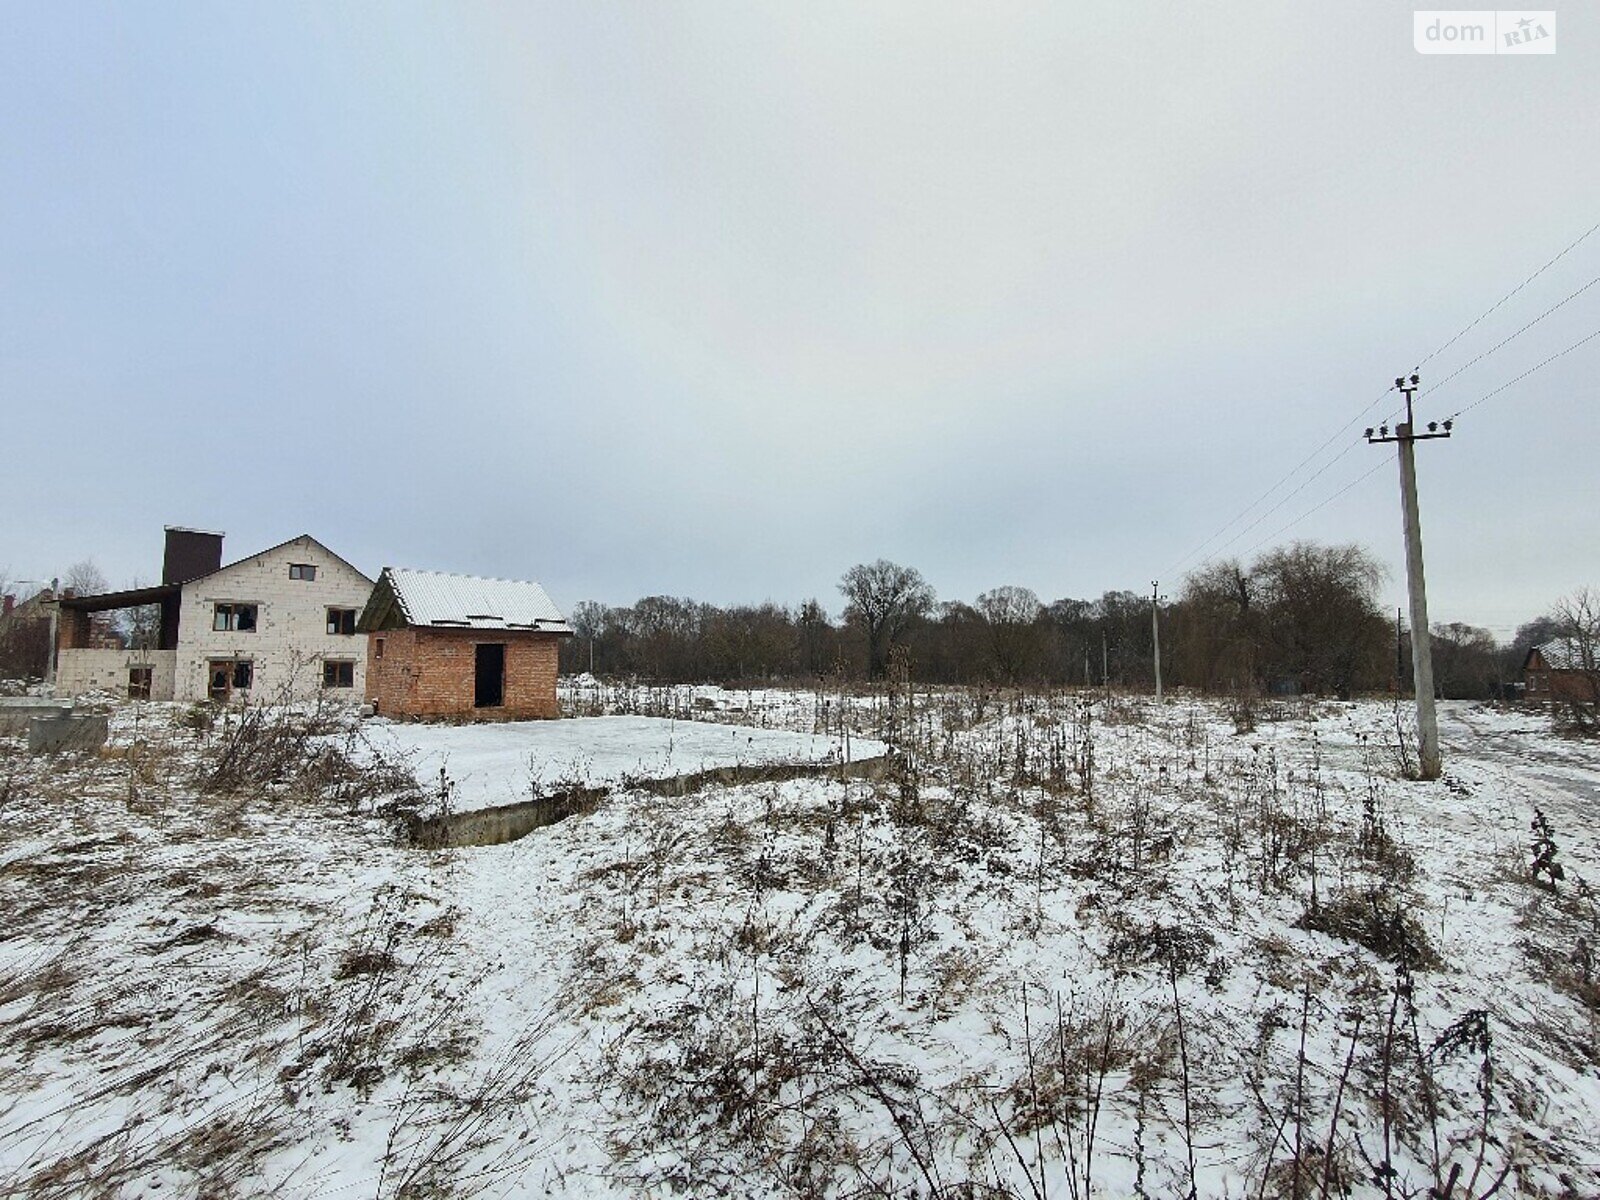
(494, 764)
(1085, 946)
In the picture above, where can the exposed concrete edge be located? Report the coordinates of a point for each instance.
(503, 823)
(683, 785)
(78, 732)
(508, 822)
(18, 712)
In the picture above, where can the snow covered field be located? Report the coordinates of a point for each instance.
(1084, 946)
(494, 764)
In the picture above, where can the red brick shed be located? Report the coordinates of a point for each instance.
(461, 646)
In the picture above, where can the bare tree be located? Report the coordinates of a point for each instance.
(1577, 621)
(1073, 638)
(814, 630)
(667, 630)
(1466, 661)
(1322, 623)
(1534, 633)
(139, 627)
(85, 579)
(747, 642)
(1124, 621)
(1576, 653)
(1217, 626)
(952, 645)
(885, 598)
(587, 618)
(586, 651)
(1012, 614)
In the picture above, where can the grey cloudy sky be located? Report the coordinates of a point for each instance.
(720, 299)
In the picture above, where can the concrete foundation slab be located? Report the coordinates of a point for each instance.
(16, 712)
(77, 732)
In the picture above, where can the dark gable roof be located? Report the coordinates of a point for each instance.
(132, 598)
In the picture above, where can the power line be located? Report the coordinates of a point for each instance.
(1356, 420)
(1513, 337)
(1536, 366)
(1486, 396)
(1272, 537)
(1359, 479)
(1370, 407)
(1488, 312)
(1288, 496)
(1249, 508)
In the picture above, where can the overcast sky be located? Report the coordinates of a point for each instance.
(718, 300)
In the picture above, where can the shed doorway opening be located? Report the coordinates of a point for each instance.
(489, 681)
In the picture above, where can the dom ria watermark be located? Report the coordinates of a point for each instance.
(1487, 31)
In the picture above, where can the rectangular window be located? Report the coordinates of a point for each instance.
(302, 571)
(139, 683)
(228, 675)
(234, 618)
(338, 674)
(378, 649)
(342, 620)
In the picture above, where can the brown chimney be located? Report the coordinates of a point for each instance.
(190, 553)
(10, 603)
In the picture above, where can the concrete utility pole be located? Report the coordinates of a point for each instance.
(1155, 629)
(1421, 643)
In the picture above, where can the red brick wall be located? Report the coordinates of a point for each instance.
(77, 630)
(431, 673)
(1572, 686)
(74, 630)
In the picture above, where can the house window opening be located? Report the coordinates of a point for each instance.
(229, 675)
(302, 571)
(340, 674)
(342, 620)
(139, 679)
(234, 618)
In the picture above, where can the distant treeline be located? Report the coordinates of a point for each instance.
(1300, 618)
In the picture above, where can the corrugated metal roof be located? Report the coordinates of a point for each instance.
(1563, 654)
(469, 601)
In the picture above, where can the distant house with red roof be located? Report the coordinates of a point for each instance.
(1562, 671)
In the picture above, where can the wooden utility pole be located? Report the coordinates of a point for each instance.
(1406, 438)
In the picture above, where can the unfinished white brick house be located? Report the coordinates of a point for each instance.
(277, 625)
